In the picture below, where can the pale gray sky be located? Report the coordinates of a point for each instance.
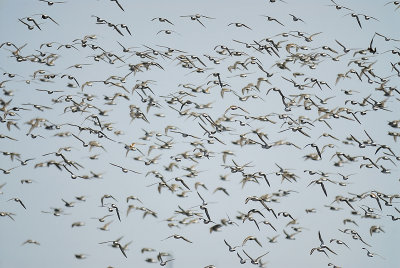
(59, 242)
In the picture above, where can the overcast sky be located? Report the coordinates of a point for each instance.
(216, 40)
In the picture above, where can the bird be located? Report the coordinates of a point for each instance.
(163, 263)
(50, 3)
(80, 256)
(221, 189)
(116, 244)
(321, 182)
(316, 148)
(123, 26)
(162, 20)
(339, 7)
(252, 238)
(322, 247)
(77, 224)
(8, 171)
(257, 260)
(396, 3)
(114, 207)
(387, 39)
(355, 235)
(132, 197)
(125, 170)
(7, 214)
(290, 236)
(231, 249)
(105, 227)
(375, 229)
(18, 201)
(30, 19)
(318, 249)
(371, 254)
(178, 237)
(268, 223)
(241, 260)
(272, 239)
(272, 19)
(106, 196)
(274, 1)
(49, 91)
(339, 242)
(356, 16)
(285, 214)
(394, 218)
(1, 186)
(45, 17)
(197, 17)
(238, 24)
(31, 241)
(296, 18)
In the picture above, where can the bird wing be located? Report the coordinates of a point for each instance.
(323, 188)
(122, 250)
(119, 5)
(320, 238)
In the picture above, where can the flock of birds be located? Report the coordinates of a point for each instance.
(234, 129)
